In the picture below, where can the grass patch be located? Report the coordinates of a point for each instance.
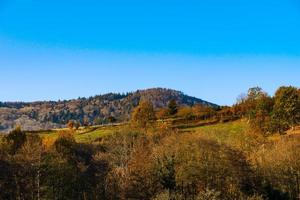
(84, 135)
(91, 136)
(232, 133)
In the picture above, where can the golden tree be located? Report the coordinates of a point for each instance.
(143, 115)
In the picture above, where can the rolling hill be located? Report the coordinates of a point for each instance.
(93, 110)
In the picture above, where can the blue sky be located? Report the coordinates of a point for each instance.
(213, 49)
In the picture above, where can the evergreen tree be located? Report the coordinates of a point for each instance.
(172, 107)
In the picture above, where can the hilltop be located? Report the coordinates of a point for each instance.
(93, 110)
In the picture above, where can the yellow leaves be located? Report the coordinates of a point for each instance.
(48, 141)
(185, 112)
(143, 115)
(162, 113)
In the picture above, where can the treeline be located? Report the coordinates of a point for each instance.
(265, 114)
(196, 112)
(268, 114)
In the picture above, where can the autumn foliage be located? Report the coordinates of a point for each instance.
(150, 159)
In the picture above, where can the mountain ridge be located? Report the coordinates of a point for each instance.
(93, 110)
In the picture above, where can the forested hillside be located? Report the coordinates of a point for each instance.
(95, 110)
(249, 151)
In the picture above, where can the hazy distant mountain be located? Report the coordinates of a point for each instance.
(93, 110)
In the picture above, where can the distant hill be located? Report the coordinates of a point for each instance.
(94, 110)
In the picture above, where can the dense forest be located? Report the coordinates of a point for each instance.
(173, 151)
(95, 110)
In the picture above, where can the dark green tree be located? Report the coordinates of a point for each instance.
(111, 119)
(172, 107)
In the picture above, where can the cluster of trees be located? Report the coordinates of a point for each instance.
(144, 160)
(124, 166)
(65, 169)
(152, 163)
(194, 113)
(265, 114)
(270, 114)
(191, 112)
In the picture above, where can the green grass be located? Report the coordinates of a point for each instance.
(231, 133)
(91, 136)
(86, 135)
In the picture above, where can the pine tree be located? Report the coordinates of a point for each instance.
(172, 107)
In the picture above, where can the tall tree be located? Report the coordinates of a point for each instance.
(254, 95)
(257, 106)
(143, 115)
(287, 107)
(263, 111)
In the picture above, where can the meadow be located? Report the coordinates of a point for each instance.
(225, 133)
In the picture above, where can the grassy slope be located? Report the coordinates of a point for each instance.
(84, 135)
(91, 136)
(232, 133)
(223, 132)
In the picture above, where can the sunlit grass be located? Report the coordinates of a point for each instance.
(95, 134)
(85, 135)
(232, 133)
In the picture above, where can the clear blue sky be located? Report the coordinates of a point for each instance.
(212, 49)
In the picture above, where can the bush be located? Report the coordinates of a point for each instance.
(197, 163)
(15, 140)
(278, 164)
(208, 194)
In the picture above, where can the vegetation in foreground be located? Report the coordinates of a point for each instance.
(173, 153)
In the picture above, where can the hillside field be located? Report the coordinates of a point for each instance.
(234, 133)
(231, 133)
